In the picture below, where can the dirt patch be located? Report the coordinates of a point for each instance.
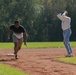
(39, 61)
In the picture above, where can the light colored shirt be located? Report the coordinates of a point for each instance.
(65, 21)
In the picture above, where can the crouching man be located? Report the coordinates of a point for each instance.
(19, 35)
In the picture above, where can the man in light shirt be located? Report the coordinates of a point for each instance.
(19, 35)
(66, 27)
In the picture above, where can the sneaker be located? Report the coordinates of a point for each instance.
(69, 55)
(16, 57)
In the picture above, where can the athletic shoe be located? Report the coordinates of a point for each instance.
(69, 55)
(16, 57)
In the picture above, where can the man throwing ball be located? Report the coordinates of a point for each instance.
(66, 27)
(19, 35)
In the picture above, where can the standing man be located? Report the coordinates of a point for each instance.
(66, 31)
(19, 35)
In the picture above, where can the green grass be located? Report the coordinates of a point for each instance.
(38, 45)
(71, 60)
(7, 70)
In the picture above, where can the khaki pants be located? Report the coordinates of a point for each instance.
(15, 39)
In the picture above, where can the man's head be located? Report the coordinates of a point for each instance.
(16, 24)
(66, 13)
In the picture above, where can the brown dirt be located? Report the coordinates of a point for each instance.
(39, 61)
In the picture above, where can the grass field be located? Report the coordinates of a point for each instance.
(71, 60)
(7, 70)
(37, 45)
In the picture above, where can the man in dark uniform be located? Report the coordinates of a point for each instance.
(19, 35)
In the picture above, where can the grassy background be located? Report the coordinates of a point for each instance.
(38, 45)
(71, 60)
(7, 70)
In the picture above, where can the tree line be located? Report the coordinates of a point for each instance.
(39, 18)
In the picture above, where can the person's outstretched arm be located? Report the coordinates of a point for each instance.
(8, 34)
(62, 17)
(25, 36)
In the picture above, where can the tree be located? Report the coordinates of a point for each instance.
(39, 17)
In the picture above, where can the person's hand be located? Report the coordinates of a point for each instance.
(25, 44)
(62, 13)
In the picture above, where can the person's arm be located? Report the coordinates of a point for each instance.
(62, 17)
(25, 36)
(8, 34)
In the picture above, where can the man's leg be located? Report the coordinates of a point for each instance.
(15, 45)
(16, 49)
(15, 40)
(19, 44)
(66, 35)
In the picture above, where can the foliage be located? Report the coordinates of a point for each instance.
(39, 17)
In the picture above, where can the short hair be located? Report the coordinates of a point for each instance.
(16, 22)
